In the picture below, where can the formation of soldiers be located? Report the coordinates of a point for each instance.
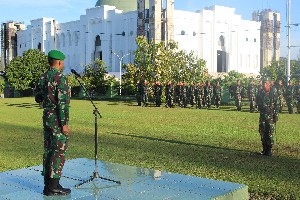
(205, 95)
(201, 95)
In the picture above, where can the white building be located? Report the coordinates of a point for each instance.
(216, 34)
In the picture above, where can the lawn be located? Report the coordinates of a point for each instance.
(219, 144)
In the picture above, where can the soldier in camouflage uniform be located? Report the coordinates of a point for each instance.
(177, 93)
(184, 94)
(252, 95)
(289, 92)
(217, 94)
(297, 96)
(52, 89)
(157, 93)
(269, 102)
(169, 92)
(198, 95)
(139, 93)
(238, 95)
(203, 93)
(281, 91)
(208, 93)
(191, 94)
(145, 93)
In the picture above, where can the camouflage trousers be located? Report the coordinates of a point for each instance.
(198, 101)
(252, 103)
(267, 128)
(217, 100)
(238, 102)
(55, 149)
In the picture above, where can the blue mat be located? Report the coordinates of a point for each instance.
(136, 183)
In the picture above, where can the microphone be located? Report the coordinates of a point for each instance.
(75, 73)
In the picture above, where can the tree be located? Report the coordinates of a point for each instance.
(275, 71)
(24, 71)
(157, 62)
(96, 78)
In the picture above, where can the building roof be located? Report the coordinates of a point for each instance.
(125, 5)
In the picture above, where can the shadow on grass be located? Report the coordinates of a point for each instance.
(24, 105)
(176, 142)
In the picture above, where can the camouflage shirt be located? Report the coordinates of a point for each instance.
(54, 89)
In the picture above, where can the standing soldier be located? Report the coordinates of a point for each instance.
(289, 96)
(238, 95)
(53, 90)
(208, 93)
(139, 93)
(252, 91)
(192, 94)
(217, 94)
(157, 93)
(268, 117)
(177, 94)
(145, 93)
(169, 94)
(183, 95)
(280, 90)
(198, 95)
(297, 96)
(203, 93)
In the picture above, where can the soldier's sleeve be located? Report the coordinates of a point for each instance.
(63, 100)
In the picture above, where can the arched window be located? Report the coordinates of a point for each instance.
(69, 39)
(63, 37)
(57, 41)
(40, 46)
(76, 38)
(98, 41)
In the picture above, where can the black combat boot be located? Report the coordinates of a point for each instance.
(268, 151)
(55, 189)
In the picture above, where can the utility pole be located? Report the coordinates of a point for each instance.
(288, 67)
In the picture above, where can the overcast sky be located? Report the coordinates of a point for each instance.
(70, 10)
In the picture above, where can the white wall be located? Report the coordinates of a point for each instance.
(194, 31)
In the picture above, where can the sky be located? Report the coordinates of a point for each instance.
(70, 10)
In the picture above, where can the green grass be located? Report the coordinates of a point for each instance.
(219, 144)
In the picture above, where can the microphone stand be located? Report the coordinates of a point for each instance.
(95, 113)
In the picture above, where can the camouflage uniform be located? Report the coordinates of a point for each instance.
(208, 93)
(268, 117)
(145, 93)
(297, 96)
(53, 87)
(169, 95)
(157, 93)
(198, 95)
(289, 97)
(217, 95)
(191, 94)
(281, 91)
(139, 93)
(183, 95)
(238, 96)
(252, 96)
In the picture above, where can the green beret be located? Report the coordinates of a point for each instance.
(56, 55)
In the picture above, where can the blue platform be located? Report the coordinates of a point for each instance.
(136, 183)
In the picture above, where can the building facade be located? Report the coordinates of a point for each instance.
(215, 34)
(9, 41)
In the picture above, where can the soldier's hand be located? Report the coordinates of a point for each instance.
(65, 129)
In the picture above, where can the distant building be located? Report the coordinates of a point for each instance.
(215, 34)
(270, 36)
(9, 41)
